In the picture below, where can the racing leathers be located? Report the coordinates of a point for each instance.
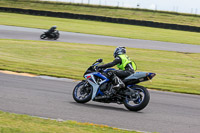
(126, 68)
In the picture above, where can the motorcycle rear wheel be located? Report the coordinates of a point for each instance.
(43, 36)
(82, 92)
(137, 101)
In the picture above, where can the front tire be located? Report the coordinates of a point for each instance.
(138, 100)
(56, 36)
(82, 92)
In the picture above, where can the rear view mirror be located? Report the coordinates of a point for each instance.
(99, 60)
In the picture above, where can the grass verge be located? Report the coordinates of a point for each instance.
(101, 28)
(138, 14)
(13, 123)
(176, 72)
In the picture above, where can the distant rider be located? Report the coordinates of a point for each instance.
(51, 31)
(125, 65)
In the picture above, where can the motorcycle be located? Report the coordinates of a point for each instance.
(96, 86)
(54, 35)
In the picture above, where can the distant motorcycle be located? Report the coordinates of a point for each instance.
(54, 35)
(96, 87)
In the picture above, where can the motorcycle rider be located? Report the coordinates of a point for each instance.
(125, 65)
(51, 31)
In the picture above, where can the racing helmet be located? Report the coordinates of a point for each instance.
(54, 27)
(119, 51)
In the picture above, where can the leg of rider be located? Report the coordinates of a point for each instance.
(52, 35)
(117, 82)
(48, 34)
(120, 74)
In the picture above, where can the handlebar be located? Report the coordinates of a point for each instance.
(95, 64)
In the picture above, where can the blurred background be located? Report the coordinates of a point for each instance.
(182, 6)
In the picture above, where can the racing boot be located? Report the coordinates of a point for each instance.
(118, 84)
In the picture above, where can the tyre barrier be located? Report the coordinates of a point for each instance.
(102, 18)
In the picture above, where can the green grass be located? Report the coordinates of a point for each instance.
(138, 14)
(13, 123)
(101, 28)
(176, 72)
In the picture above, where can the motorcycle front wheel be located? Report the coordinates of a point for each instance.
(82, 92)
(43, 36)
(56, 36)
(137, 99)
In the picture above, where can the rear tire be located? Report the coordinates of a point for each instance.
(43, 36)
(140, 102)
(85, 91)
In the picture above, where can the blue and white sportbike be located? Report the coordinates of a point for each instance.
(97, 87)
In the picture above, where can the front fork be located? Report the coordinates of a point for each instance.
(85, 86)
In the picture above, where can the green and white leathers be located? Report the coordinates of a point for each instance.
(126, 60)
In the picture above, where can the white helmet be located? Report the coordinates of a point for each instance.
(119, 51)
(54, 27)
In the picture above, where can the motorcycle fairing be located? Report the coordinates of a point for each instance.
(137, 75)
(91, 79)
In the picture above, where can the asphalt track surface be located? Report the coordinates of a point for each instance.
(12, 32)
(166, 113)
